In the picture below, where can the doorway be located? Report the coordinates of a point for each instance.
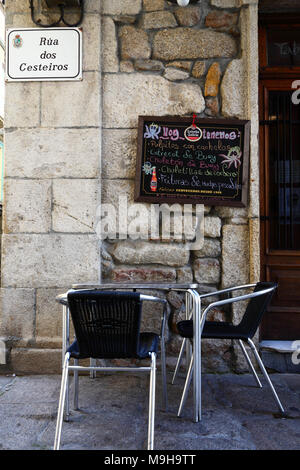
(279, 43)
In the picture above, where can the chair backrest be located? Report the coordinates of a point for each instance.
(256, 308)
(107, 324)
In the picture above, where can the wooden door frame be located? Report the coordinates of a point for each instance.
(277, 79)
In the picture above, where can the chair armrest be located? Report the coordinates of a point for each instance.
(224, 291)
(231, 301)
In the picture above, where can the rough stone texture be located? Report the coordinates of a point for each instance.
(112, 190)
(116, 143)
(216, 356)
(110, 60)
(134, 43)
(22, 106)
(221, 21)
(213, 80)
(125, 274)
(93, 6)
(188, 16)
(17, 314)
(125, 19)
(42, 159)
(126, 66)
(83, 95)
(207, 270)
(19, 6)
(147, 253)
(74, 205)
(49, 318)
(149, 65)
(153, 5)
(175, 74)
(233, 90)
(232, 3)
(211, 249)
(229, 212)
(91, 48)
(159, 19)
(125, 7)
(254, 255)
(212, 227)
(225, 3)
(141, 93)
(185, 274)
(27, 207)
(235, 249)
(175, 299)
(33, 361)
(180, 64)
(212, 106)
(199, 69)
(41, 260)
(186, 43)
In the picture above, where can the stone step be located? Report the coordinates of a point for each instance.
(281, 356)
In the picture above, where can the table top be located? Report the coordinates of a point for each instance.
(62, 298)
(136, 285)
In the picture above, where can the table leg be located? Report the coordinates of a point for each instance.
(65, 345)
(187, 344)
(199, 357)
(197, 354)
(64, 328)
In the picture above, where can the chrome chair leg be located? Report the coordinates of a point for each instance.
(152, 402)
(188, 303)
(186, 386)
(62, 397)
(265, 374)
(67, 407)
(250, 363)
(164, 374)
(179, 360)
(76, 385)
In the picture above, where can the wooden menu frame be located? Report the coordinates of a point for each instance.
(216, 127)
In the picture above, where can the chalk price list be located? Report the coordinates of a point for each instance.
(209, 167)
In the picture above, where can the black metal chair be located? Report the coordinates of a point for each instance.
(107, 326)
(243, 332)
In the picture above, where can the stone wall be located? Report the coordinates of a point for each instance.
(141, 57)
(160, 59)
(52, 160)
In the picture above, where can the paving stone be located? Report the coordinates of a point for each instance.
(236, 414)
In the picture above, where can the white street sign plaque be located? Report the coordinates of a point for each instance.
(49, 54)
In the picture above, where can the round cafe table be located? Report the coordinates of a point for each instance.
(193, 307)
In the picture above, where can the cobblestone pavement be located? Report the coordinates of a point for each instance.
(114, 409)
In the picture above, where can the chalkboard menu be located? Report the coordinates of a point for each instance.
(184, 160)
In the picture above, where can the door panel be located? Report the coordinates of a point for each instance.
(280, 206)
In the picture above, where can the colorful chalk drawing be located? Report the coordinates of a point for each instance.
(147, 168)
(152, 131)
(233, 157)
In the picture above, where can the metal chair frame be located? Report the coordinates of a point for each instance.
(64, 389)
(188, 343)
